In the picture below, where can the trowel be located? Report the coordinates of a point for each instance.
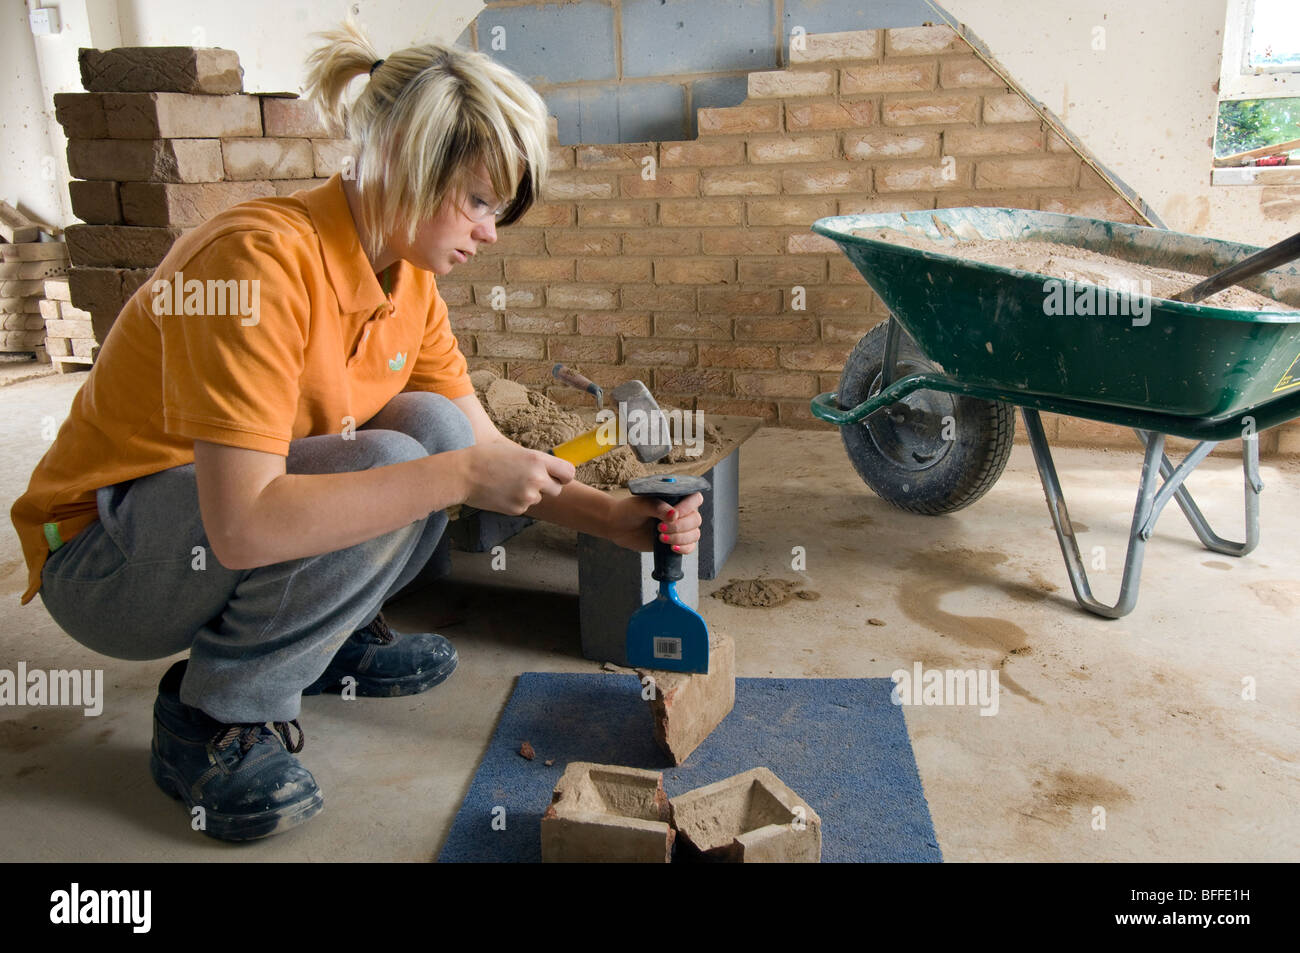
(665, 633)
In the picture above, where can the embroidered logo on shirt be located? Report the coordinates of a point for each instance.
(397, 363)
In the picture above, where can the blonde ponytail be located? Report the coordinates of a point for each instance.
(427, 116)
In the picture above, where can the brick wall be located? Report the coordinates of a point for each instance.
(687, 280)
(677, 263)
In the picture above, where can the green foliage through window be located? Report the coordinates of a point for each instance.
(1253, 123)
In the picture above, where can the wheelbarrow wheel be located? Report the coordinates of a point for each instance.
(931, 452)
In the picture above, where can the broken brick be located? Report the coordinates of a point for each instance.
(749, 818)
(687, 707)
(602, 812)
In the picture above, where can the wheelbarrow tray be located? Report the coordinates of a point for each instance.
(987, 326)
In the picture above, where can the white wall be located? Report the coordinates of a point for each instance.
(1145, 104)
(273, 37)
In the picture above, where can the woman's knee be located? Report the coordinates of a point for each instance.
(433, 420)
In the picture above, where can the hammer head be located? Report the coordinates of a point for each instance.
(646, 429)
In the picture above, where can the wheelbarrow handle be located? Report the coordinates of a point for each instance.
(1288, 249)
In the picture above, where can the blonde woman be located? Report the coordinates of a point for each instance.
(250, 484)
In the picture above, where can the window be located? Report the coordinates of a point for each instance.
(1259, 90)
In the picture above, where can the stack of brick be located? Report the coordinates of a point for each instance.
(691, 266)
(25, 262)
(69, 331)
(163, 139)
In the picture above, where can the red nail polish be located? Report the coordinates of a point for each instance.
(672, 514)
(677, 549)
(663, 527)
(664, 537)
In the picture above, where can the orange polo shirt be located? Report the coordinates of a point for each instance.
(271, 326)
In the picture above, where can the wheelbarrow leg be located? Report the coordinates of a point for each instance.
(1143, 511)
(1200, 525)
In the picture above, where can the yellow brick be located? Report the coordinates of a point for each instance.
(780, 83)
(888, 78)
(740, 119)
(792, 149)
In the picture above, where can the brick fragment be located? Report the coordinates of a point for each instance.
(687, 707)
(752, 817)
(606, 813)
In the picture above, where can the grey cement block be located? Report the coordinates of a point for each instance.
(480, 530)
(721, 515)
(585, 114)
(613, 583)
(552, 43)
(716, 93)
(839, 16)
(649, 112)
(697, 36)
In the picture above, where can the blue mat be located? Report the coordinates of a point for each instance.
(839, 743)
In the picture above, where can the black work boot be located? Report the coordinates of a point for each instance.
(383, 663)
(243, 776)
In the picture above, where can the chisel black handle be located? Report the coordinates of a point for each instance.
(671, 490)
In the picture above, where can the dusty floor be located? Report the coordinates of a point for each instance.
(1143, 716)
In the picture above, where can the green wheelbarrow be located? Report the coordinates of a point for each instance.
(925, 401)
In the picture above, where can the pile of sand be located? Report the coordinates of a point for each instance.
(1079, 264)
(762, 593)
(533, 420)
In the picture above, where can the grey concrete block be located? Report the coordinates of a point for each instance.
(613, 583)
(649, 112)
(552, 43)
(584, 114)
(716, 93)
(839, 16)
(720, 514)
(479, 530)
(697, 36)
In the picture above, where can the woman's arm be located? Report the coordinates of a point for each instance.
(256, 514)
(588, 510)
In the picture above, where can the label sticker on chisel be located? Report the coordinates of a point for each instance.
(668, 648)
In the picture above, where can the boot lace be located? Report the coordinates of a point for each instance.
(249, 735)
(378, 627)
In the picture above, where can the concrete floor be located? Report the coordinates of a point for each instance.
(1142, 716)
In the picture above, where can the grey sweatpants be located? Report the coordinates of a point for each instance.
(142, 582)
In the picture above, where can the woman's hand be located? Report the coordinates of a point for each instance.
(636, 521)
(504, 477)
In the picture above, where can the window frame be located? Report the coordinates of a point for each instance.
(1237, 80)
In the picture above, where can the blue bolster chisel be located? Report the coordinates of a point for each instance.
(665, 633)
